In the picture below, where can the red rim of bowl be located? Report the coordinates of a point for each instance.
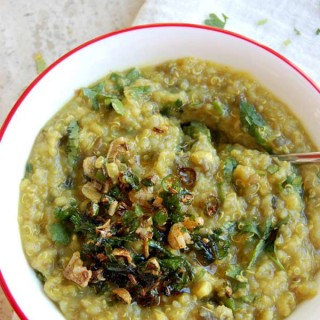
(3, 284)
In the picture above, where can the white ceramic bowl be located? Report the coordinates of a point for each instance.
(82, 66)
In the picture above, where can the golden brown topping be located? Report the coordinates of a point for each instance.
(192, 224)
(89, 166)
(153, 266)
(76, 272)
(113, 208)
(177, 238)
(97, 276)
(89, 191)
(162, 129)
(141, 197)
(102, 257)
(158, 202)
(123, 294)
(228, 292)
(120, 252)
(132, 279)
(117, 146)
(187, 176)
(105, 229)
(145, 231)
(145, 248)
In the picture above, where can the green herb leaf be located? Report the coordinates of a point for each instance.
(93, 94)
(59, 233)
(118, 106)
(254, 123)
(128, 177)
(249, 227)
(160, 217)
(220, 107)
(262, 22)
(137, 92)
(73, 135)
(195, 129)
(215, 21)
(172, 109)
(318, 31)
(297, 32)
(273, 168)
(286, 43)
(29, 167)
(229, 165)
(40, 63)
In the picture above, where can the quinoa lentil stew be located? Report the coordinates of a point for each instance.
(153, 194)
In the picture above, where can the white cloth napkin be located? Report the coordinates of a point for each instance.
(287, 26)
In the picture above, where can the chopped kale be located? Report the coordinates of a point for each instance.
(211, 247)
(73, 145)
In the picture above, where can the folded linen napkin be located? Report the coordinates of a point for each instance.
(290, 27)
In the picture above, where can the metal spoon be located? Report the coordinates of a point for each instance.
(300, 158)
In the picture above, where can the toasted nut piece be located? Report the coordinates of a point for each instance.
(113, 208)
(228, 292)
(145, 231)
(88, 165)
(123, 294)
(191, 224)
(146, 248)
(120, 252)
(90, 192)
(105, 230)
(153, 266)
(76, 272)
(177, 238)
(118, 145)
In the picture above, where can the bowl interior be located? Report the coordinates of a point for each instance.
(123, 49)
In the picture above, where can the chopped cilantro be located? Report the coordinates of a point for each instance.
(195, 129)
(262, 22)
(117, 105)
(40, 63)
(297, 32)
(215, 21)
(286, 42)
(273, 168)
(253, 122)
(29, 167)
(59, 233)
(229, 166)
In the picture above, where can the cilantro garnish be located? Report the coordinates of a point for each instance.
(262, 22)
(215, 21)
(297, 32)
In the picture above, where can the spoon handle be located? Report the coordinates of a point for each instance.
(300, 158)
